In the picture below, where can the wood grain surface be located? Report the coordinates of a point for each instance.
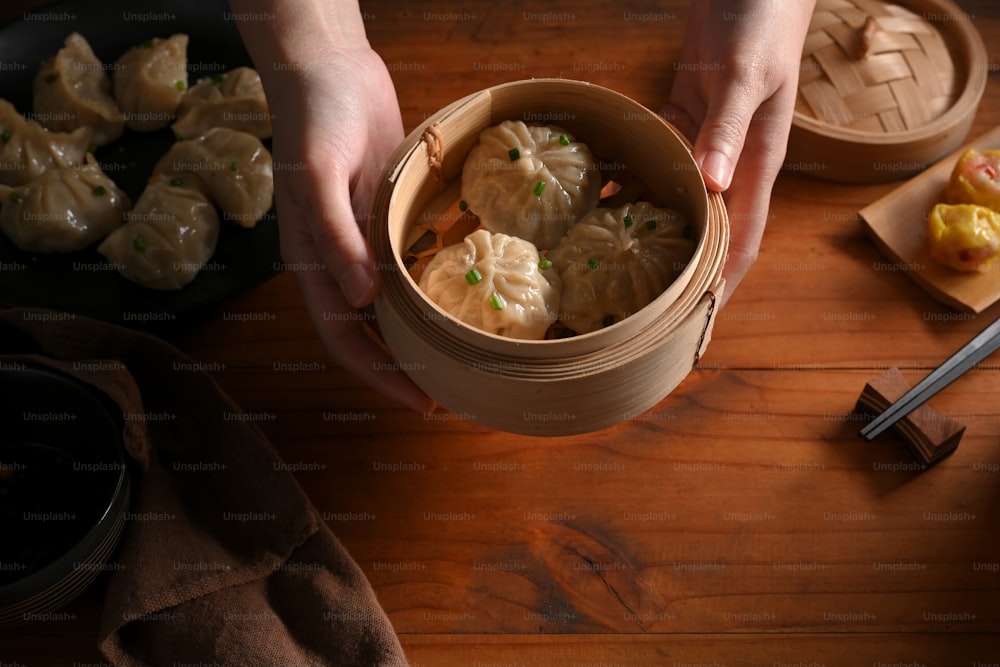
(739, 522)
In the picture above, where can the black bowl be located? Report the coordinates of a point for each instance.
(64, 490)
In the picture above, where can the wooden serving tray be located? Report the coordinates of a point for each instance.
(897, 223)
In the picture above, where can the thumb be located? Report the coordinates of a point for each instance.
(723, 132)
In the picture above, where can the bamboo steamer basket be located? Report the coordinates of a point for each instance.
(547, 387)
(885, 89)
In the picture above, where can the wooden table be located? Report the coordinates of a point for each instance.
(740, 522)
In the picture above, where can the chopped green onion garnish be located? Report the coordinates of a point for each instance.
(181, 85)
(473, 277)
(545, 264)
(628, 221)
(138, 244)
(14, 197)
(608, 320)
(99, 191)
(5, 136)
(539, 187)
(177, 181)
(651, 224)
(217, 79)
(497, 302)
(593, 262)
(687, 231)
(514, 154)
(564, 139)
(463, 206)
(233, 166)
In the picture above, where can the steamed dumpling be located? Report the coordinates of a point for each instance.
(63, 210)
(615, 261)
(168, 237)
(72, 90)
(234, 168)
(234, 100)
(494, 282)
(27, 149)
(149, 82)
(530, 181)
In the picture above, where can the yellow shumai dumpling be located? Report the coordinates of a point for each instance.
(616, 261)
(72, 90)
(494, 282)
(149, 81)
(965, 237)
(976, 179)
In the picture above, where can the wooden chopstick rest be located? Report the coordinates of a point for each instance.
(928, 434)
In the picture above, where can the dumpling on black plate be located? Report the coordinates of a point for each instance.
(27, 150)
(234, 168)
(168, 237)
(63, 210)
(72, 90)
(234, 100)
(149, 81)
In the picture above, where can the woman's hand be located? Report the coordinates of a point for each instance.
(336, 122)
(733, 97)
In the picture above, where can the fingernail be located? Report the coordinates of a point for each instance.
(358, 285)
(718, 169)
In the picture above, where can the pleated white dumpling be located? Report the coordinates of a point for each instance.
(234, 100)
(494, 282)
(149, 81)
(27, 149)
(72, 90)
(616, 261)
(234, 168)
(63, 210)
(530, 181)
(168, 237)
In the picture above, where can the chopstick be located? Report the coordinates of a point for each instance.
(977, 349)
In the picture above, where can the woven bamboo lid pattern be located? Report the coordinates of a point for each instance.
(885, 88)
(874, 67)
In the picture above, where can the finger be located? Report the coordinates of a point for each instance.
(324, 193)
(717, 149)
(748, 198)
(340, 326)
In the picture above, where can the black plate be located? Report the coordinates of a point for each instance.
(84, 282)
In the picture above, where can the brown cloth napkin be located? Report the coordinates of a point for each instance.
(226, 562)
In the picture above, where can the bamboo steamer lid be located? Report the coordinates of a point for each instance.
(548, 387)
(885, 89)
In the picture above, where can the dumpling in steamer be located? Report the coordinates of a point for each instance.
(27, 149)
(616, 261)
(494, 282)
(63, 210)
(234, 100)
(72, 90)
(169, 235)
(530, 181)
(149, 81)
(234, 168)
